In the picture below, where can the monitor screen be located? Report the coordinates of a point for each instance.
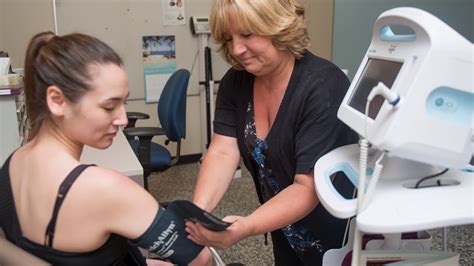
(375, 71)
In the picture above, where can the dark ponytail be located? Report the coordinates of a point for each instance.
(35, 99)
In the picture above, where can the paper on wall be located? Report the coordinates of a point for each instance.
(173, 12)
(159, 62)
(4, 65)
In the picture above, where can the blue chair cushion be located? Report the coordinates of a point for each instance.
(160, 156)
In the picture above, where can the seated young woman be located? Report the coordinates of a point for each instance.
(65, 212)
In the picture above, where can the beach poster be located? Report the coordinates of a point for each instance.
(159, 62)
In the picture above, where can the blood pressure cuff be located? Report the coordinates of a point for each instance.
(167, 239)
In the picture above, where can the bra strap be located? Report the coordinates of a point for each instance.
(63, 190)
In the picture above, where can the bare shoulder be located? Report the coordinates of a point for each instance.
(110, 184)
(118, 202)
(100, 176)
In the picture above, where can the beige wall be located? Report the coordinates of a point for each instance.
(24, 19)
(319, 15)
(142, 18)
(2, 23)
(123, 28)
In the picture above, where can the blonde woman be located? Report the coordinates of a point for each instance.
(276, 109)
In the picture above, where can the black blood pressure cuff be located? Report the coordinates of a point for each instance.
(167, 239)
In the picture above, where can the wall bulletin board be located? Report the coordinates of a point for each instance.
(123, 23)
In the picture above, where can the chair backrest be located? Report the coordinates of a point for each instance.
(172, 105)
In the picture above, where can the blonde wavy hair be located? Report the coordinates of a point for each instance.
(280, 20)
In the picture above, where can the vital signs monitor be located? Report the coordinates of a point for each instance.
(430, 72)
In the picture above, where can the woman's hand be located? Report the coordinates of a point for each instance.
(239, 230)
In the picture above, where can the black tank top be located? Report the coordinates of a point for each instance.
(115, 251)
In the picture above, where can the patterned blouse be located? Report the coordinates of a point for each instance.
(299, 237)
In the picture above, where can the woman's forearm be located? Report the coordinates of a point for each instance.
(287, 207)
(216, 173)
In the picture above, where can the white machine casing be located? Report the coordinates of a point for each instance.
(433, 124)
(428, 128)
(421, 136)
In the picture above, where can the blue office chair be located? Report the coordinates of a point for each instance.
(172, 117)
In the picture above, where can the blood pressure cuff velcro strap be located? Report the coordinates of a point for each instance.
(167, 239)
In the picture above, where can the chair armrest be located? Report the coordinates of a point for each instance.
(137, 115)
(144, 131)
(145, 134)
(134, 116)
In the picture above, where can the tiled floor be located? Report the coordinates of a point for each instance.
(178, 183)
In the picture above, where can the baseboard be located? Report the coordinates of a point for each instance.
(190, 158)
